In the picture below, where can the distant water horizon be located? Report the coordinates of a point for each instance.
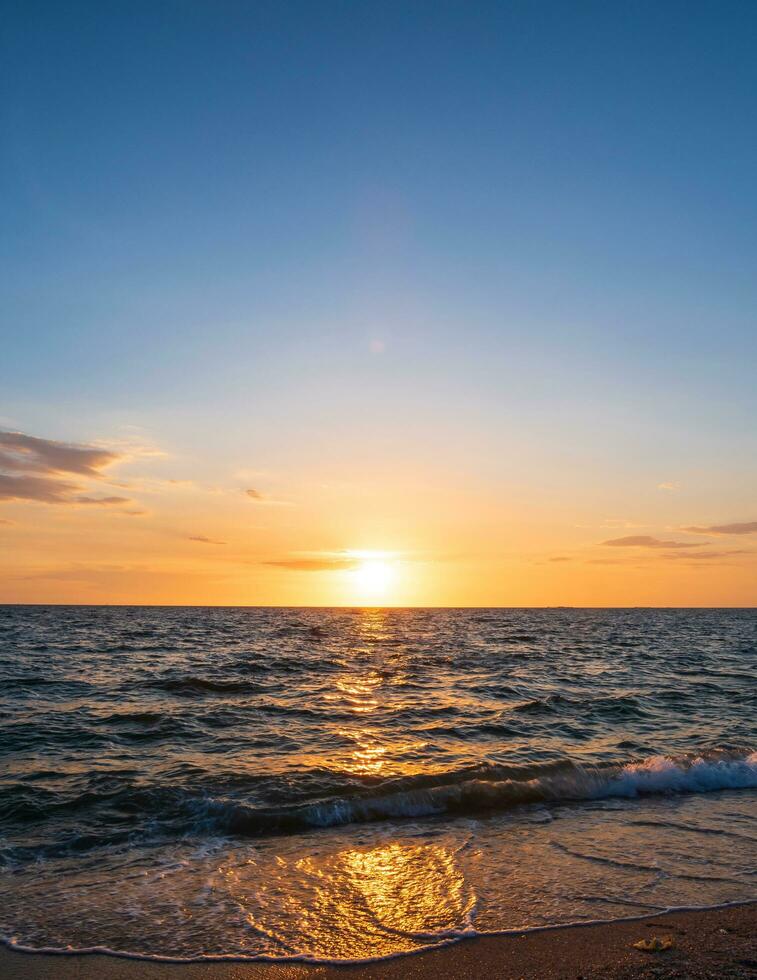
(345, 783)
(349, 606)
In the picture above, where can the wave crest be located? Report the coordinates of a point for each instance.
(460, 794)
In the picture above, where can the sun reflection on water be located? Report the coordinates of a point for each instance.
(412, 890)
(354, 902)
(371, 687)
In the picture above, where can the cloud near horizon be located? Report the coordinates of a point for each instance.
(31, 469)
(646, 541)
(709, 555)
(203, 540)
(620, 523)
(102, 500)
(743, 527)
(315, 564)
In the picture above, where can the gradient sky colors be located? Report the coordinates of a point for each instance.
(458, 298)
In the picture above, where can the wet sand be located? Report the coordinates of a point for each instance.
(718, 944)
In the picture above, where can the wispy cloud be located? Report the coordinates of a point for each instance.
(203, 540)
(30, 454)
(646, 541)
(671, 486)
(628, 562)
(613, 523)
(35, 488)
(560, 558)
(709, 555)
(326, 564)
(744, 527)
(102, 500)
(261, 498)
(620, 522)
(155, 485)
(76, 572)
(40, 470)
(48, 490)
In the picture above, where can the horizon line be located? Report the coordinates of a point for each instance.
(181, 605)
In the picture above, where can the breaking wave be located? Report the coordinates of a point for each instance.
(459, 794)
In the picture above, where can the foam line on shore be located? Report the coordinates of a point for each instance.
(447, 938)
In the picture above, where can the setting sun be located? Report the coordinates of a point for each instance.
(373, 577)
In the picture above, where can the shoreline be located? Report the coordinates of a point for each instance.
(713, 944)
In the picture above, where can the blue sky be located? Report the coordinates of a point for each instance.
(521, 236)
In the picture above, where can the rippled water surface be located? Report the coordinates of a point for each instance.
(354, 783)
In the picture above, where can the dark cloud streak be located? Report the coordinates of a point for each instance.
(646, 541)
(708, 555)
(30, 454)
(31, 468)
(315, 564)
(743, 527)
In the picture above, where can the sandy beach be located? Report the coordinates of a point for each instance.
(717, 944)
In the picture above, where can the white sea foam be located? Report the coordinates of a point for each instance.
(662, 774)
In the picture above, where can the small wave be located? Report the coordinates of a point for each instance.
(61, 683)
(536, 705)
(690, 828)
(617, 705)
(203, 685)
(133, 718)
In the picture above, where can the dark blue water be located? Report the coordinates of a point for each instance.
(351, 783)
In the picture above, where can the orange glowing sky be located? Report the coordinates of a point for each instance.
(131, 521)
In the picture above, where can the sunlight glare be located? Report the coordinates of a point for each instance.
(373, 577)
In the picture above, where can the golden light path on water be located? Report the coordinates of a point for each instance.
(359, 692)
(362, 900)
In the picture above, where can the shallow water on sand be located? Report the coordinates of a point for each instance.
(353, 783)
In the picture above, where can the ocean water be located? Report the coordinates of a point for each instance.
(346, 784)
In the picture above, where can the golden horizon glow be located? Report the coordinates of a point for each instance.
(142, 526)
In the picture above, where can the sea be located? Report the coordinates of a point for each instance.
(350, 784)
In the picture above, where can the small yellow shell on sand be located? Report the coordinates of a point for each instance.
(653, 945)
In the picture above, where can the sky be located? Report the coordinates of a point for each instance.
(348, 303)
